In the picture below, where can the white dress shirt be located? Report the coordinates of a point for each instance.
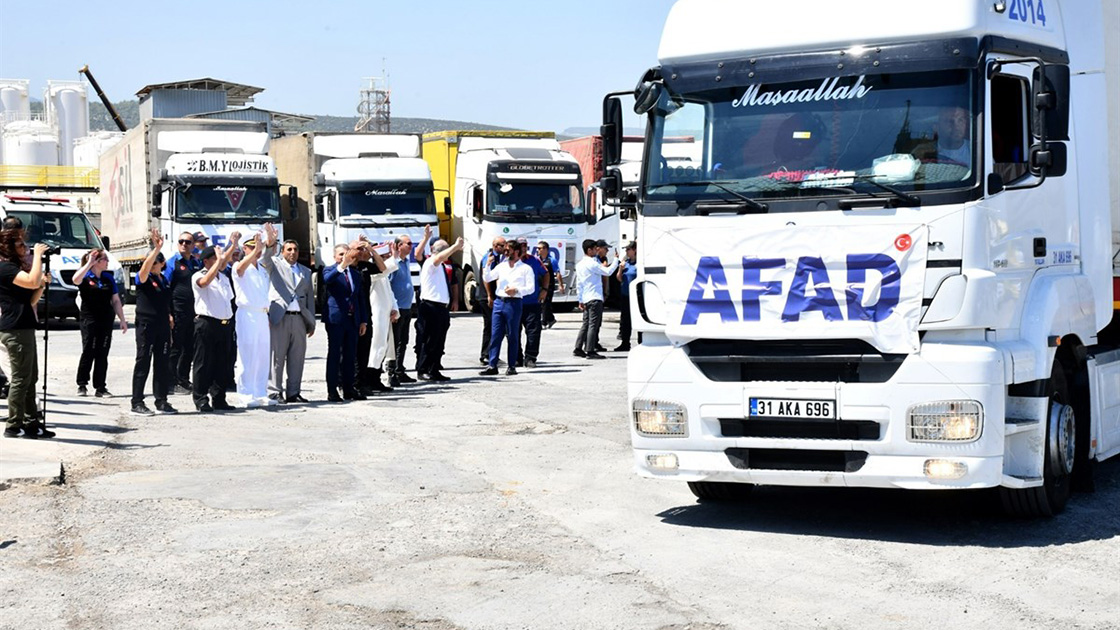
(519, 276)
(434, 286)
(297, 277)
(589, 278)
(215, 299)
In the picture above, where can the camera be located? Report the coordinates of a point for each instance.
(52, 249)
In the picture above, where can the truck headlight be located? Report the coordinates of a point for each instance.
(660, 418)
(945, 421)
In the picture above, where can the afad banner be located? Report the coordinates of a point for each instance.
(800, 283)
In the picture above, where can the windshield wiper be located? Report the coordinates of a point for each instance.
(746, 203)
(902, 199)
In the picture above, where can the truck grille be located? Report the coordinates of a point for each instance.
(839, 361)
(864, 430)
(793, 459)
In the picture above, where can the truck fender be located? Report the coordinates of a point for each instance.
(1055, 308)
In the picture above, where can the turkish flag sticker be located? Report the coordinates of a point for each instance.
(235, 197)
(903, 242)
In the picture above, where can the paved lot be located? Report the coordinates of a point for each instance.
(492, 503)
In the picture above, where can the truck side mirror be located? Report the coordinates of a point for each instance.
(104, 241)
(157, 192)
(1051, 161)
(293, 203)
(332, 209)
(611, 184)
(611, 131)
(447, 205)
(476, 204)
(320, 211)
(1050, 96)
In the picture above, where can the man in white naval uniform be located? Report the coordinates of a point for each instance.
(251, 283)
(383, 314)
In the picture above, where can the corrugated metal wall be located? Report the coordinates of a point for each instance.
(180, 103)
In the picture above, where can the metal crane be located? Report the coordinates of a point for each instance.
(104, 99)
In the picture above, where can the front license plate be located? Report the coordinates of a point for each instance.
(793, 408)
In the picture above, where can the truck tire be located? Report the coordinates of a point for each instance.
(720, 490)
(1059, 463)
(470, 285)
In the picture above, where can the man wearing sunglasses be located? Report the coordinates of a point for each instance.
(178, 272)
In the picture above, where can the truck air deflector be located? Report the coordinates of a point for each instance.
(945, 54)
(796, 459)
(859, 430)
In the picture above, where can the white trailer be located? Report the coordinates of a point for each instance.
(890, 265)
(185, 175)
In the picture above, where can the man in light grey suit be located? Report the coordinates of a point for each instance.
(291, 318)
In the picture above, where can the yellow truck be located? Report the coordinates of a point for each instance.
(514, 184)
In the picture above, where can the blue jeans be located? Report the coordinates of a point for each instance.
(506, 322)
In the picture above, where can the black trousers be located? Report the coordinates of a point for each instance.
(547, 318)
(361, 362)
(97, 338)
(182, 347)
(342, 344)
(400, 339)
(153, 340)
(531, 323)
(431, 334)
(625, 326)
(213, 352)
(487, 322)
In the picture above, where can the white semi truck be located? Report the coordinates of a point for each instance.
(352, 184)
(186, 175)
(514, 184)
(893, 264)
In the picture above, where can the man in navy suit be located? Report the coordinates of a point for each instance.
(344, 318)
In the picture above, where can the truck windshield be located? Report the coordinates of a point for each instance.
(223, 203)
(68, 229)
(814, 138)
(380, 200)
(514, 201)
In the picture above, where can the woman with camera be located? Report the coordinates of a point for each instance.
(21, 286)
(98, 291)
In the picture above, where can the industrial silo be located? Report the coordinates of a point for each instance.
(68, 109)
(29, 143)
(14, 104)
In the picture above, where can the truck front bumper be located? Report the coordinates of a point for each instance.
(883, 456)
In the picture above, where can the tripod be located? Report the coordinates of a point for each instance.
(46, 330)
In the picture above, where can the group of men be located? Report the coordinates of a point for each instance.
(246, 305)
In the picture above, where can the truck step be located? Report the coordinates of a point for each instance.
(1019, 425)
(1015, 481)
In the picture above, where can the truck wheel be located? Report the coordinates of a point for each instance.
(470, 285)
(720, 490)
(1058, 466)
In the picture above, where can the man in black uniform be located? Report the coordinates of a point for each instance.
(178, 272)
(153, 332)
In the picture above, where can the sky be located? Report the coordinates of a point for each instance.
(529, 64)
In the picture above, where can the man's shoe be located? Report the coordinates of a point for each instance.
(140, 409)
(334, 397)
(30, 431)
(353, 395)
(101, 392)
(44, 432)
(11, 432)
(394, 381)
(222, 405)
(623, 348)
(490, 371)
(164, 407)
(183, 390)
(379, 387)
(530, 363)
(438, 377)
(521, 363)
(295, 399)
(511, 371)
(579, 353)
(276, 398)
(595, 355)
(404, 377)
(82, 391)
(204, 408)
(367, 390)
(600, 348)
(483, 360)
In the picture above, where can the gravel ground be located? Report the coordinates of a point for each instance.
(500, 503)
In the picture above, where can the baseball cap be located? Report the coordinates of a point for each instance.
(200, 236)
(602, 243)
(208, 252)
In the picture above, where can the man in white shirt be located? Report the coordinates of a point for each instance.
(213, 328)
(589, 286)
(291, 315)
(514, 281)
(434, 317)
(250, 283)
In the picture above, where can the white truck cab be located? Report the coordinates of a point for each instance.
(53, 221)
(889, 264)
